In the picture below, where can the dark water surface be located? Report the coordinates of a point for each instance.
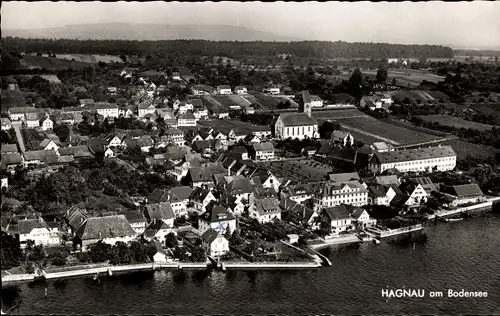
(460, 255)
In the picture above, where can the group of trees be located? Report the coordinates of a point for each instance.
(314, 49)
(120, 252)
(11, 254)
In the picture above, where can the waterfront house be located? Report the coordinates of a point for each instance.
(348, 192)
(157, 230)
(109, 229)
(38, 231)
(466, 194)
(200, 198)
(160, 212)
(343, 138)
(214, 243)
(362, 218)
(415, 192)
(218, 218)
(338, 217)
(379, 194)
(160, 256)
(264, 205)
(136, 219)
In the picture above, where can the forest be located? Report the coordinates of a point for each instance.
(237, 50)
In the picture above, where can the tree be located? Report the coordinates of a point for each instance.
(100, 251)
(37, 255)
(10, 252)
(58, 258)
(171, 240)
(356, 78)
(62, 131)
(326, 129)
(394, 82)
(198, 254)
(120, 253)
(139, 251)
(382, 75)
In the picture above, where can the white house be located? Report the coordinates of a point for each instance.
(339, 218)
(240, 90)
(263, 151)
(273, 90)
(381, 194)
(157, 230)
(217, 218)
(107, 109)
(214, 243)
(175, 136)
(137, 220)
(201, 198)
(316, 101)
(38, 231)
(115, 140)
(6, 124)
(342, 137)
(46, 123)
(466, 194)
(440, 158)
(416, 193)
(109, 229)
(32, 120)
(264, 205)
(362, 218)
(179, 200)
(185, 107)
(348, 192)
(186, 119)
(160, 212)
(145, 108)
(224, 89)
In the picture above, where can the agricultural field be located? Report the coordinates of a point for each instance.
(456, 122)
(387, 132)
(464, 149)
(229, 100)
(337, 114)
(304, 170)
(212, 104)
(404, 77)
(230, 124)
(93, 59)
(241, 101)
(266, 102)
(50, 63)
(487, 108)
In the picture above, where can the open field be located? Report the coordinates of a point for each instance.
(230, 124)
(456, 122)
(407, 76)
(337, 114)
(50, 63)
(241, 101)
(93, 59)
(387, 132)
(266, 102)
(229, 101)
(212, 104)
(487, 108)
(304, 170)
(464, 149)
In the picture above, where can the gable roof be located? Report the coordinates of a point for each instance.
(158, 196)
(9, 148)
(153, 228)
(336, 212)
(181, 193)
(238, 185)
(467, 190)
(415, 154)
(105, 227)
(267, 205)
(343, 177)
(297, 119)
(210, 235)
(199, 194)
(160, 211)
(25, 226)
(76, 151)
(134, 216)
(217, 213)
(266, 146)
(11, 159)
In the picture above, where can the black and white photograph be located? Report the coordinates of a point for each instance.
(250, 158)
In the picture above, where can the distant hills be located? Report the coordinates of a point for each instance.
(126, 31)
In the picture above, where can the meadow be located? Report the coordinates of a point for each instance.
(452, 121)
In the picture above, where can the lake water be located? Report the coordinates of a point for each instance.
(460, 255)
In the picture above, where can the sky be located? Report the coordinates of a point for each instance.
(457, 24)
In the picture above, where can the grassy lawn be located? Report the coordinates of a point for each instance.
(456, 122)
(300, 170)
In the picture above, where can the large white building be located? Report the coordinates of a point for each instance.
(224, 89)
(348, 192)
(38, 231)
(440, 158)
(107, 109)
(297, 125)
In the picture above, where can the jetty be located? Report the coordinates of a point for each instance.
(476, 207)
(383, 233)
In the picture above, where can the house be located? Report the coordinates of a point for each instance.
(238, 186)
(185, 107)
(214, 243)
(115, 140)
(384, 98)
(240, 150)
(46, 123)
(203, 134)
(361, 218)
(249, 110)
(161, 212)
(316, 101)
(292, 238)
(467, 194)
(300, 192)
(338, 217)
(109, 229)
(308, 216)
(240, 90)
(109, 153)
(5, 182)
(379, 194)
(382, 147)
(75, 217)
(263, 151)
(199, 176)
(179, 200)
(224, 89)
(186, 119)
(48, 144)
(9, 149)
(32, 120)
(272, 90)
(251, 139)
(145, 108)
(370, 102)
(348, 192)
(416, 194)
(38, 157)
(217, 218)
(19, 113)
(6, 124)
(264, 205)
(235, 206)
(107, 109)
(112, 90)
(144, 143)
(343, 138)
(77, 152)
(174, 136)
(425, 182)
(84, 102)
(157, 230)
(38, 231)
(201, 90)
(441, 158)
(201, 197)
(136, 219)
(160, 256)
(176, 75)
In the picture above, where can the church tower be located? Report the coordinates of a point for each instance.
(305, 103)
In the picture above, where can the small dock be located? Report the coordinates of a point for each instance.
(476, 207)
(383, 233)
